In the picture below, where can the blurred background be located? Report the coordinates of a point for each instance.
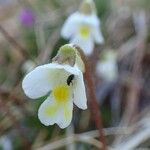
(30, 36)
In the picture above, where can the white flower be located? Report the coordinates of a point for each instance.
(64, 85)
(6, 143)
(83, 30)
(107, 67)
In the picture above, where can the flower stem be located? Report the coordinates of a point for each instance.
(18, 47)
(92, 99)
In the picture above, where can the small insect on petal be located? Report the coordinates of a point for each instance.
(70, 79)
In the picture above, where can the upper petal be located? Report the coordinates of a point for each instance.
(40, 81)
(37, 83)
(91, 20)
(69, 26)
(80, 99)
(66, 67)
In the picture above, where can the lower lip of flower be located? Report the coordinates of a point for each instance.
(50, 110)
(61, 93)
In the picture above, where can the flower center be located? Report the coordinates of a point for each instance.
(84, 31)
(61, 93)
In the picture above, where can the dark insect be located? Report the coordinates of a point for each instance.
(69, 79)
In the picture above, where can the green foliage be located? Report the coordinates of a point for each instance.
(29, 38)
(103, 7)
(106, 115)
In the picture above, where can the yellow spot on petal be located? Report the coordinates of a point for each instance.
(50, 110)
(84, 31)
(61, 93)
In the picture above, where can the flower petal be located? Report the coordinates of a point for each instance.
(107, 70)
(36, 83)
(80, 99)
(97, 35)
(69, 26)
(91, 20)
(67, 115)
(87, 45)
(41, 80)
(66, 67)
(49, 112)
